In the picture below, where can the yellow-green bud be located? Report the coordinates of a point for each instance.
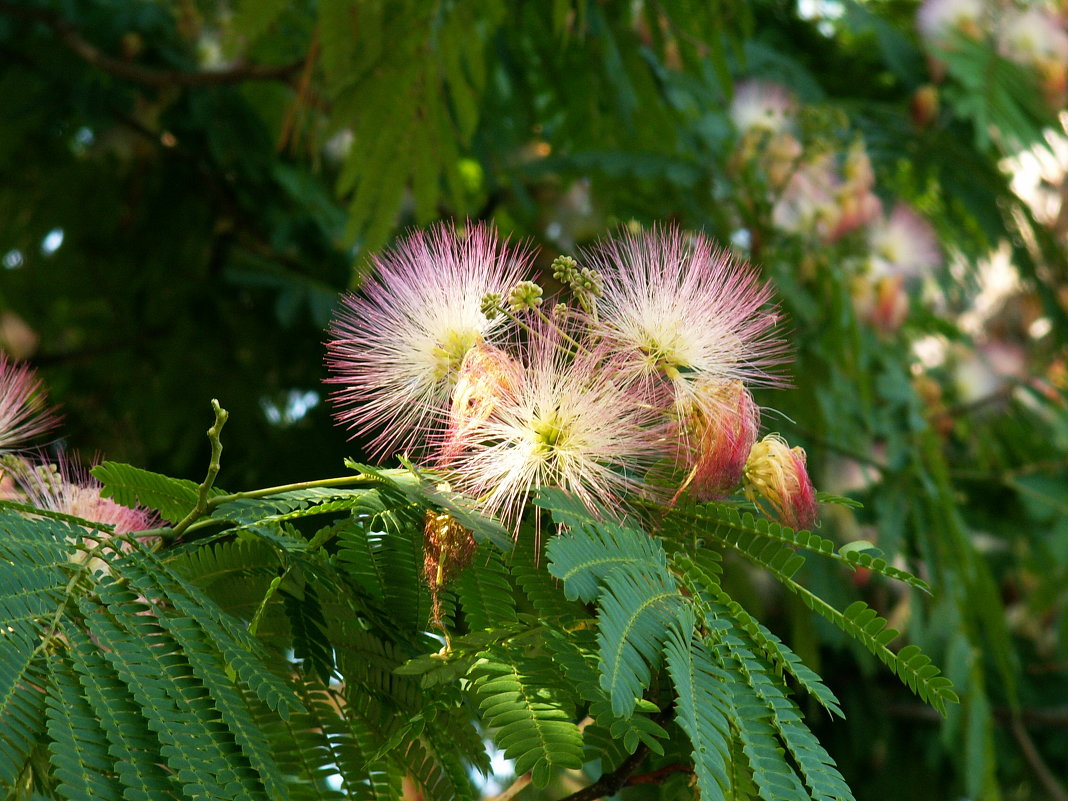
(491, 305)
(564, 269)
(524, 295)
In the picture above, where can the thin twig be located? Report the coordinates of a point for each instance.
(70, 36)
(513, 789)
(1038, 766)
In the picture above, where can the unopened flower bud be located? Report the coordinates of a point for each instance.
(776, 473)
(924, 105)
(524, 295)
(564, 268)
(721, 427)
(491, 305)
(590, 281)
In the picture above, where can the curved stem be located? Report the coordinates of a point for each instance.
(214, 437)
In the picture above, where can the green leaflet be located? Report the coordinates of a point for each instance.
(424, 491)
(171, 498)
(590, 550)
(858, 620)
(744, 531)
(486, 593)
(80, 759)
(817, 768)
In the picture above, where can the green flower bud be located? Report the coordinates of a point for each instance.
(491, 305)
(564, 269)
(524, 295)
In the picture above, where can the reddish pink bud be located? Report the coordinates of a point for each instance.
(776, 473)
(721, 428)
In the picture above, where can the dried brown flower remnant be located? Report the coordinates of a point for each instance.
(448, 548)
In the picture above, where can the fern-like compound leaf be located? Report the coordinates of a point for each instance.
(913, 666)
(242, 652)
(702, 709)
(78, 745)
(745, 531)
(486, 593)
(590, 549)
(637, 611)
(131, 743)
(521, 699)
(171, 498)
(817, 768)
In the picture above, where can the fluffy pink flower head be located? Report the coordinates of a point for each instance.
(807, 203)
(23, 414)
(677, 309)
(762, 105)
(395, 351)
(1036, 37)
(903, 244)
(565, 421)
(1032, 36)
(776, 473)
(66, 488)
(720, 430)
(936, 19)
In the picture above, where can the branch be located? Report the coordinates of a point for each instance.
(611, 783)
(70, 36)
(1034, 760)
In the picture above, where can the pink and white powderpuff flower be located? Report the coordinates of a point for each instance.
(563, 420)
(808, 202)
(23, 414)
(65, 487)
(678, 310)
(1036, 37)
(395, 350)
(777, 473)
(937, 19)
(1032, 36)
(903, 244)
(762, 105)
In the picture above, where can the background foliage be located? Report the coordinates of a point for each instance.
(186, 186)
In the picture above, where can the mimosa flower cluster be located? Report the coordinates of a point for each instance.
(825, 196)
(1033, 35)
(56, 485)
(632, 383)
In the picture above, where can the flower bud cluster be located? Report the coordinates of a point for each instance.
(586, 284)
(525, 295)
